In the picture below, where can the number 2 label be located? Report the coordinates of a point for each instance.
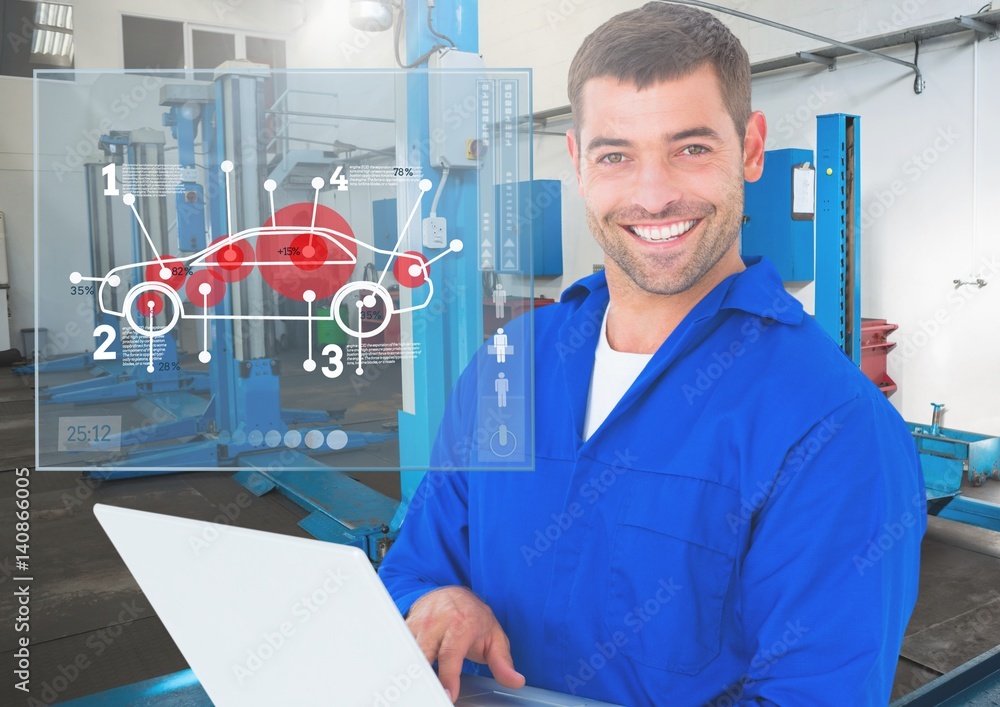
(102, 353)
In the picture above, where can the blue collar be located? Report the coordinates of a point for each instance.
(758, 290)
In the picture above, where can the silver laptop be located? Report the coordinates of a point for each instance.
(267, 619)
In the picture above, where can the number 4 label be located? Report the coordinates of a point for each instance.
(338, 179)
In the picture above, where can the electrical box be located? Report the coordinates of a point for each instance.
(451, 99)
(384, 230)
(779, 214)
(538, 230)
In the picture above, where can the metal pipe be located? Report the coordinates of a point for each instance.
(936, 418)
(331, 116)
(803, 33)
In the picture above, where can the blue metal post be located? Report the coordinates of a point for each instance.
(223, 371)
(190, 201)
(838, 230)
(446, 353)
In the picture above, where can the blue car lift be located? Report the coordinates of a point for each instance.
(331, 495)
(838, 230)
(433, 376)
(111, 381)
(244, 407)
(948, 457)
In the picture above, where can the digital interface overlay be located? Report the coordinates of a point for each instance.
(280, 269)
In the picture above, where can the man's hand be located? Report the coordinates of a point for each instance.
(452, 624)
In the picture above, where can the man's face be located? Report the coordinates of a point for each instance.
(662, 172)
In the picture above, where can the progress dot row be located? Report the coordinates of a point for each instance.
(292, 439)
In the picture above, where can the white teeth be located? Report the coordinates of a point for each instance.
(663, 234)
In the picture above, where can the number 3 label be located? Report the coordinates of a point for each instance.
(336, 357)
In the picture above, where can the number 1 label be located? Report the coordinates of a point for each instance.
(109, 172)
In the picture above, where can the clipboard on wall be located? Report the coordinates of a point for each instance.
(803, 192)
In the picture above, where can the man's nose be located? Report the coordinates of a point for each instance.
(655, 186)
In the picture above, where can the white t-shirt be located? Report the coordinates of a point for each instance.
(614, 373)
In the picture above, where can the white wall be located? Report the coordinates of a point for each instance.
(327, 41)
(16, 193)
(545, 35)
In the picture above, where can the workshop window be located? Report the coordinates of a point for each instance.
(36, 35)
(262, 50)
(152, 44)
(165, 44)
(209, 50)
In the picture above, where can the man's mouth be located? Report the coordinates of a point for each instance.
(662, 232)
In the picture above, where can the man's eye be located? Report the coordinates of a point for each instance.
(695, 150)
(613, 158)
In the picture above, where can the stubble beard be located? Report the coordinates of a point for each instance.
(675, 271)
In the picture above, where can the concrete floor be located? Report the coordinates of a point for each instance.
(86, 608)
(87, 611)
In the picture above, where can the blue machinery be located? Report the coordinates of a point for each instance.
(950, 456)
(111, 380)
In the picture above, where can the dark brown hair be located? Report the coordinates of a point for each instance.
(662, 42)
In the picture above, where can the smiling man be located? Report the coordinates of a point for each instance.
(724, 510)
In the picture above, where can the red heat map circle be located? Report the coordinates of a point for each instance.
(231, 262)
(143, 301)
(177, 270)
(401, 269)
(292, 269)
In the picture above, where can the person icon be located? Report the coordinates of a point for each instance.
(501, 385)
(500, 344)
(499, 299)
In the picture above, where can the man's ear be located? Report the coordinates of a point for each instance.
(753, 147)
(573, 145)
